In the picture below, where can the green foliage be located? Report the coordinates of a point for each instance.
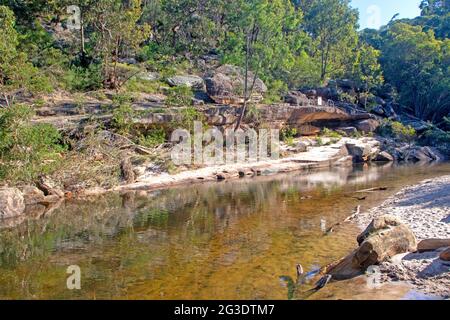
(84, 79)
(179, 96)
(398, 131)
(123, 114)
(333, 25)
(330, 134)
(153, 138)
(417, 64)
(288, 134)
(26, 150)
(439, 139)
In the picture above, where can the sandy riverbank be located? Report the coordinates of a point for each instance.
(425, 208)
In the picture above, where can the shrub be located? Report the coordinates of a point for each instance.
(331, 134)
(439, 139)
(84, 79)
(153, 138)
(26, 150)
(122, 119)
(179, 96)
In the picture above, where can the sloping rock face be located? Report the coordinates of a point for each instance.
(12, 203)
(226, 85)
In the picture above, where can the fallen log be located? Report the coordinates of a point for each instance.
(372, 189)
(432, 244)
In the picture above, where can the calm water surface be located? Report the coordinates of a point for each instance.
(229, 240)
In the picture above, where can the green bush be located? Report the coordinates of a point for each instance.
(26, 150)
(180, 96)
(122, 119)
(153, 138)
(397, 130)
(439, 139)
(330, 134)
(84, 79)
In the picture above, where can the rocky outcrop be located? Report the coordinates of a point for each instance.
(384, 156)
(368, 125)
(296, 98)
(49, 187)
(191, 81)
(225, 85)
(32, 195)
(12, 203)
(384, 238)
(360, 152)
(423, 154)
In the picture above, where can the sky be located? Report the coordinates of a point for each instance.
(375, 13)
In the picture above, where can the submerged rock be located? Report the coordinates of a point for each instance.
(12, 203)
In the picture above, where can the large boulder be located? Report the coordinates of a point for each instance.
(296, 98)
(361, 152)
(423, 154)
(368, 125)
(384, 156)
(191, 81)
(226, 85)
(12, 203)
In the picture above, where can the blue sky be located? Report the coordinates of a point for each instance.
(375, 13)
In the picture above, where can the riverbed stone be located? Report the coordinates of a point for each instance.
(12, 203)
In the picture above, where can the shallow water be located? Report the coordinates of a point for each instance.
(228, 240)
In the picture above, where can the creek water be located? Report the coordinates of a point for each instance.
(230, 240)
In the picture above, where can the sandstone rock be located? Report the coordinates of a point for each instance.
(226, 85)
(445, 255)
(149, 76)
(360, 152)
(297, 98)
(348, 131)
(384, 238)
(384, 156)
(432, 244)
(368, 125)
(423, 154)
(12, 203)
(127, 171)
(32, 195)
(49, 187)
(191, 81)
